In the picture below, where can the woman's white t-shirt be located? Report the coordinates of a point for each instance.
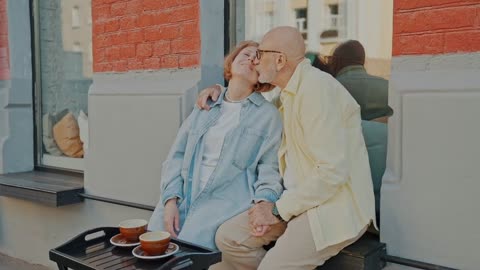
(214, 137)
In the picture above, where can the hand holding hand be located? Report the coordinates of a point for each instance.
(260, 230)
(261, 214)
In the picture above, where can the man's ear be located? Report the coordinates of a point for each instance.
(281, 61)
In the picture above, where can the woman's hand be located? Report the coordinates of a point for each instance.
(210, 92)
(260, 230)
(171, 219)
(261, 215)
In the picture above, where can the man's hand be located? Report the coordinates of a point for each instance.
(261, 215)
(210, 92)
(171, 220)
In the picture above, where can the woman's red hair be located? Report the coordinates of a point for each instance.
(227, 71)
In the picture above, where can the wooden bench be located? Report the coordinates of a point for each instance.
(366, 254)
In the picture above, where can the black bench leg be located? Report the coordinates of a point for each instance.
(61, 267)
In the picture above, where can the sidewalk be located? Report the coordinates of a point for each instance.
(392, 266)
(9, 263)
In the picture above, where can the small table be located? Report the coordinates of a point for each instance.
(92, 250)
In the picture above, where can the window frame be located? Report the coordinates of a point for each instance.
(37, 94)
(37, 97)
(76, 17)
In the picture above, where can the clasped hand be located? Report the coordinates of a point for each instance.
(261, 218)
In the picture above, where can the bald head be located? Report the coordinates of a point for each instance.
(287, 40)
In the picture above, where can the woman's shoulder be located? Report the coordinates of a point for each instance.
(269, 108)
(270, 115)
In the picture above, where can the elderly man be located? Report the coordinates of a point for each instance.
(328, 202)
(371, 92)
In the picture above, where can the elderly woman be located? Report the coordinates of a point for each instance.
(223, 160)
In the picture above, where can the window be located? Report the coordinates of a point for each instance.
(325, 23)
(63, 76)
(75, 17)
(77, 47)
(333, 17)
(301, 19)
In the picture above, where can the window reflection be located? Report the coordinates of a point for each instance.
(326, 23)
(65, 75)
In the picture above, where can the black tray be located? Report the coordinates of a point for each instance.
(84, 253)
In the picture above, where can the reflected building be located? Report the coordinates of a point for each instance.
(77, 31)
(325, 23)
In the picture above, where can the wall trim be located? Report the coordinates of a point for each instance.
(413, 75)
(137, 83)
(17, 144)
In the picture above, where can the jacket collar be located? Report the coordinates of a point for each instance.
(294, 82)
(255, 97)
(351, 68)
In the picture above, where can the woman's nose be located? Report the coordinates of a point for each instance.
(255, 61)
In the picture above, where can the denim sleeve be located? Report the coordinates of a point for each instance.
(171, 179)
(269, 184)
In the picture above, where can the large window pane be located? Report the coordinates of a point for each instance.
(325, 23)
(64, 74)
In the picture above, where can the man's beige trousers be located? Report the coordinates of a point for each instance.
(294, 249)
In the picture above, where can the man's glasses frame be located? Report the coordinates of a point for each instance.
(259, 53)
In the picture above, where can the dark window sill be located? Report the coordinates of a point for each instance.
(48, 188)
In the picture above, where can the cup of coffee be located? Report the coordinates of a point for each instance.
(131, 229)
(155, 243)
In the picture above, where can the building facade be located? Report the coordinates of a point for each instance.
(428, 204)
(149, 59)
(325, 23)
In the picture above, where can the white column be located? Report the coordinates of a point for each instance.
(349, 11)
(283, 13)
(374, 27)
(314, 24)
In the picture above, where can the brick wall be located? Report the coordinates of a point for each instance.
(4, 62)
(145, 34)
(436, 26)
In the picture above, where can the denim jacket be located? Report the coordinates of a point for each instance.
(247, 169)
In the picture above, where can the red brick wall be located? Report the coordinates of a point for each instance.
(4, 62)
(145, 34)
(436, 26)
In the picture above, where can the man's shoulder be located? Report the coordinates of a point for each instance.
(375, 78)
(353, 75)
(316, 81)
(322, 88)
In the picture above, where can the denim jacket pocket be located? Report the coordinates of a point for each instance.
(248, 145)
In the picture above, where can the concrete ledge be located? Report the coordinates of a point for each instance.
(9, 263)
(50, 189)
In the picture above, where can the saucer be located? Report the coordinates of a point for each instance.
(120, 241)
(139, 253)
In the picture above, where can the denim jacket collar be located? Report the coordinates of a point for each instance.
(294, 82)
(255, 97)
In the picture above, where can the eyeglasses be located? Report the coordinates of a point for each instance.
(259, 53)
